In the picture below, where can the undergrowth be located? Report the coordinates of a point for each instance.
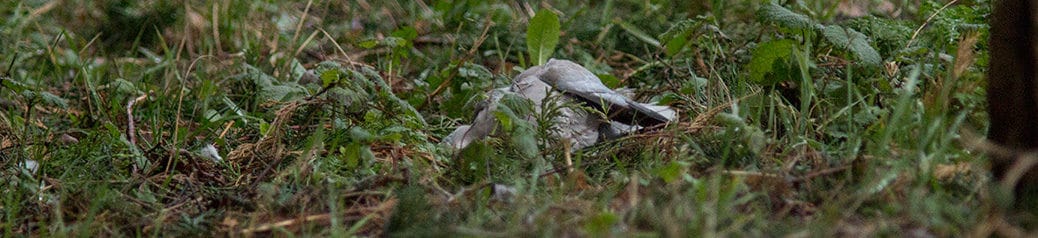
(794, 119)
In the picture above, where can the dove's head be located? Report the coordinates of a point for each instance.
(550, 72)
(559, 69)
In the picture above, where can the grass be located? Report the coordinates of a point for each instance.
(328, 117)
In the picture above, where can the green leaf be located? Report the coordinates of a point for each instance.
(360, 134)
(764, 58)
(524, 138)
(328, 77)
(600, 225)
(123, 86)
(638, 33)
(368, 44)
(356, 154)
(14, 85)
(671, 172)
(679, 35)
(853, 41)
(407, 33)
(53, 100)
(264, 127)
(609, 80)
(475, 71)
(270, 88)
(542, 35)
(773, 13)
(675, 45)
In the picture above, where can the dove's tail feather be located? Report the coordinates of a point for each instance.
(647, 114)
(615, 129)
(664, 111)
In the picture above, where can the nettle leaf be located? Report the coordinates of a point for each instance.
(524, 138)
(889, 35)
(52, 100)
(609, 80)
(328, 77)
(14, 85)
(853, 41)
(783, 17)
(470, 70)
(270, 88)
(542, 36)
(123, 86)
(510, 112)
(407, 33)
(368, 44)
(765, 56)
(638, 33)
(520, 105)
(678, 36)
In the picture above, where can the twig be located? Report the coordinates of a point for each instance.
(820, 173)
(700, 121)
(9, 68)
(284, 223)
(323, 90)
(927, 22)
(472, 51)
(131, 128)
(180, 107)
(226, 128)
(1020, 167)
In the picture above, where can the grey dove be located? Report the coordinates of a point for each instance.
(574, 125)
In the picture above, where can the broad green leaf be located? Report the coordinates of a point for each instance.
(53, 100)
(765, 56)
(609, 80)
(264, 127)
(524, 138)
(638, 33)
(270, 88)
(677, 37)
(368, 44)
(234, 108)
(675, 45)
(13, 85)
(123, 86)
(297, 69)
(853, 41)
(356, 154)
(542, 35)
(328, 77)
(407, 33)
(212, 115)
(783, 17)
(475, 71)
(360, 134)
(671, 172)
(600, 225)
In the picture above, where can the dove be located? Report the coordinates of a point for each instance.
(482, 126)
(573, 125)
(573, 79)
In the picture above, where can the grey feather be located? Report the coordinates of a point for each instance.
(574, 125)
(571, 78)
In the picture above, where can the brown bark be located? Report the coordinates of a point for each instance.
(1011, 94)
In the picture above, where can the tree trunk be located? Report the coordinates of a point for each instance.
(1012, 95)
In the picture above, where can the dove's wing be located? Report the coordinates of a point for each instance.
(575, 80)
(482, 126)
(577, 127)
(529, 85)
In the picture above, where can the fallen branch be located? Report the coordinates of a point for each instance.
(285, 223)
(131, 128)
